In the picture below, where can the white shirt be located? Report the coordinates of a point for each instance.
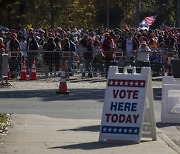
(129, 46)
(23, 45)
(75, 39)
(143, 54)
(102, 39)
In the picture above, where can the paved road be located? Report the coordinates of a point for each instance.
(80, 104)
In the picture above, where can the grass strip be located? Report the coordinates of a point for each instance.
(2, 118)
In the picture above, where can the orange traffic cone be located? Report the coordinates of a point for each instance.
(33, 75)
(23, 71)
(9, 74)
(63, 85)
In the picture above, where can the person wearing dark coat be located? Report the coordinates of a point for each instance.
(32, 44)
(14, 62)
(49, 55)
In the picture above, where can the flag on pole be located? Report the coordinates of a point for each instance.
(150, 20)
(143, 25)
(147, 22)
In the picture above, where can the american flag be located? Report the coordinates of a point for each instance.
(143, 25)
(150, 20)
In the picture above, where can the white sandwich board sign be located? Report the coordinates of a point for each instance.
(170, 110)
(127, 98)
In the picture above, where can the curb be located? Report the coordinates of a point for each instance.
(168, 141)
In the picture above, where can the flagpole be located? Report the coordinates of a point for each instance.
(137, 13)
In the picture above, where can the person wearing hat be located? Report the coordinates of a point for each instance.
(32, 43)
(14, 61)
(14, 43)
(143, 55)
(108, 47)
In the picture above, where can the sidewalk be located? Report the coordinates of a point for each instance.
(33, 134)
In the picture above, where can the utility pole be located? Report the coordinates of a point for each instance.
(178, 13)
(137, 13)
(52, 13)
(107, 20)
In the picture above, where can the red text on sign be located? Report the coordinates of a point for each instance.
(129, 94)
(121, 118)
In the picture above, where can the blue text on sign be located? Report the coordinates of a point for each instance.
(123, 106)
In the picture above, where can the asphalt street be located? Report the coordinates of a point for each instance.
(82, 103)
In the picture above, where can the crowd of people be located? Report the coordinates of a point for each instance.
(96, 48)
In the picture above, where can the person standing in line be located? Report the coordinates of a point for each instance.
(57, 53)
(153, 43)
(14, 62)
(65, 47)
(143, 53)
(23, 47)
(32, 45)
(129, 45)
(49, 56)
(97, 45)
(108, 47)
(88, 57)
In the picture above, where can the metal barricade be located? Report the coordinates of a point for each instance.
(66, 54)
(4, 67)
(68, 60)
(14, 62)
(156, 63)
(49, 63)
(13, 53)
(119, 58)
(109, 59)
(119, 54)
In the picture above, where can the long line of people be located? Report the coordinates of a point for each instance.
(94, 47)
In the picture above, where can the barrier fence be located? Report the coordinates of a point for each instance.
(49, 63)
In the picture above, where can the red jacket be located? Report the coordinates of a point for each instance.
(2, 46)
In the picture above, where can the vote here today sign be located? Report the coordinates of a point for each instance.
(123, 109)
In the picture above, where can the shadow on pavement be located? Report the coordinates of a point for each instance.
(90, 80)
(75, 94)
(50, 95)
(95, 128)
(162, 125)
(91, 145)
